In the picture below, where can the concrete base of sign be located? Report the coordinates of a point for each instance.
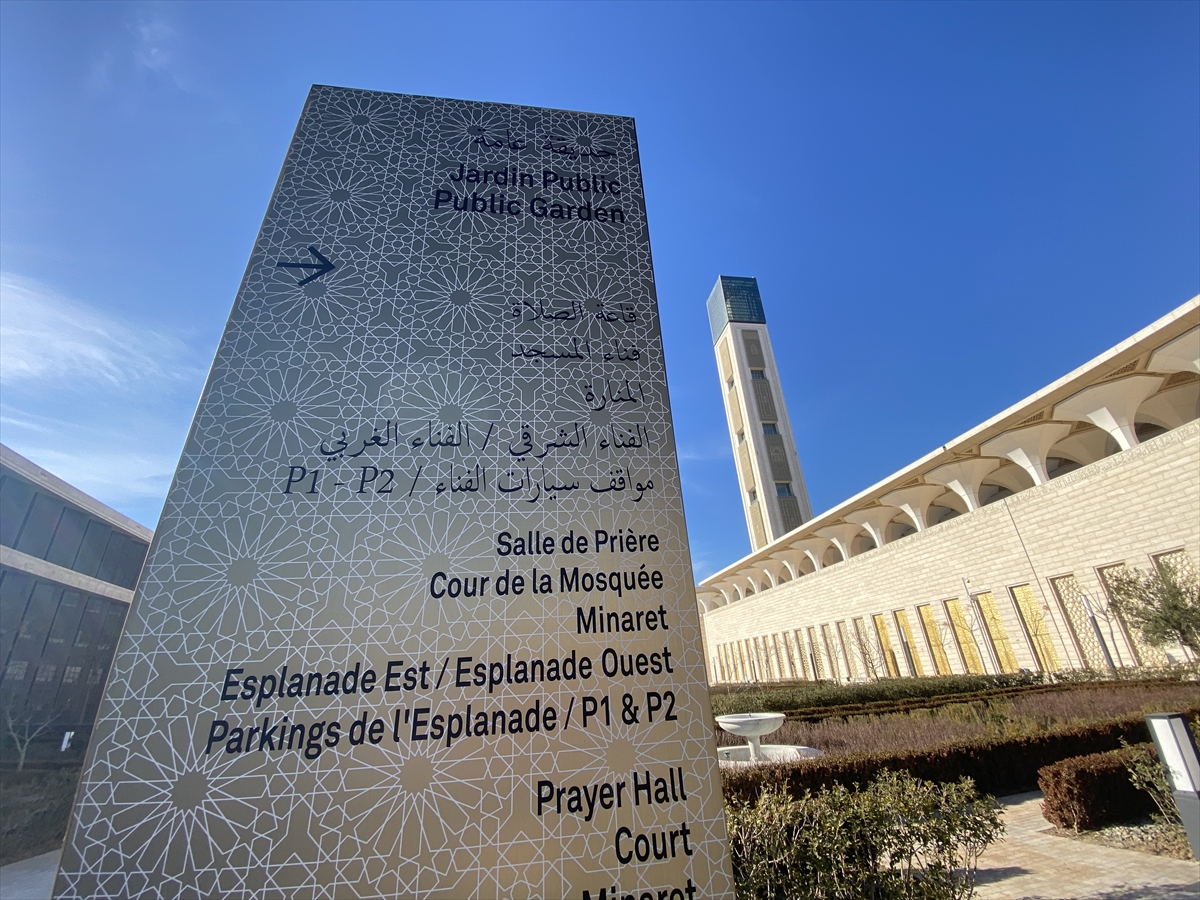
(768, 753)
(1188, 804)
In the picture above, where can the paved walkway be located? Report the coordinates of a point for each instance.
(1032, 863)
(29, 879)
(1029, 864)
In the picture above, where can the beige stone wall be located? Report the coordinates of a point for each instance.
(1126, 508)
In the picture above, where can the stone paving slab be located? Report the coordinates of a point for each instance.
(30, 879)
(1033, 863)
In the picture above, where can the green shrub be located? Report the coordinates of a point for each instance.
(817, 700)
(1188, 671)
(1089, 792)
(804, 695)
(1146, 774)
(897, 838)
(911, 704)
(1001, 765)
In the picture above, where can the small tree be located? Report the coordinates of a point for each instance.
(871, 656)
(1146, 774)
(1164, 605)
(24, 728)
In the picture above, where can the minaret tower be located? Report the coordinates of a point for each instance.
(764, 450)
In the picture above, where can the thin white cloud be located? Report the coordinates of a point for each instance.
(102, 463)
(99, 74)
(150, 48)
(48, 339)
(154, 38)
(25, 423)
(702, 566)
(705, 451)
(121, 455)
(100, 401)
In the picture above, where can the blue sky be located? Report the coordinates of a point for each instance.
(946, 205)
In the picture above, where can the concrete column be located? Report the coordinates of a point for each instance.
(875, 520)
(1170, 409)
(729, 588)
(964, 478)
(914, 501)
(1028, 447)
(1111, 406)
(761, 578)
(773, 567)
(742, 582)
(814, 548)
(1083, 447)
(791, 559)
(842, 536)
(1013, 477)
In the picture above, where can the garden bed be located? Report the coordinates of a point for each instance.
(1145, 836)
(998, 765)
(797, 697)
(1011, 714)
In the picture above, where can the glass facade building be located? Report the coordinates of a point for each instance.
(68, 566)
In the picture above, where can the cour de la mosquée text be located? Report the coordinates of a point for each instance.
(615, 576)
(560, 196)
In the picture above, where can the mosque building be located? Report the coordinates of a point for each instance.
(992, 554)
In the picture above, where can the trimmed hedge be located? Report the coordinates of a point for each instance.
(999, 766)
(887, 707)
(816, 711)
(1088, 792)
(804, 695)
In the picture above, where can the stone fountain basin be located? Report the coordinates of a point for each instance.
(767, 753)
(749, 725)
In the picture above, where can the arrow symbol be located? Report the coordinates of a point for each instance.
(322, 267)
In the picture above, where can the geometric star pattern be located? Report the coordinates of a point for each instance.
(362, 440)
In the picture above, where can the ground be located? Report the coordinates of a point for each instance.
(1035, 863)
(1031, 863)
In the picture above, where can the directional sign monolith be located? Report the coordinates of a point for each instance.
(418, 619)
